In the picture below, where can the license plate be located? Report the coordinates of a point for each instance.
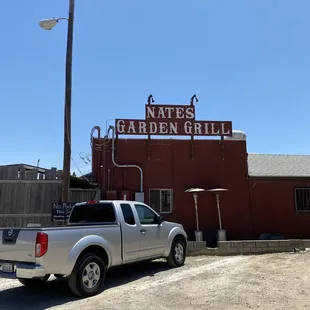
(7, 267)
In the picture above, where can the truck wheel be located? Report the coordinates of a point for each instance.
(88, 275)
(177, 254)
(34, 282)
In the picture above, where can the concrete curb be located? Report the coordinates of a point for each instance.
(247, 247)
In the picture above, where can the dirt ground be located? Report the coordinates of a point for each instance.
(275, 281)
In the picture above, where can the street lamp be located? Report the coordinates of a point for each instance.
(49, 24)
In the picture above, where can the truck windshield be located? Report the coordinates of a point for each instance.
(93, 213)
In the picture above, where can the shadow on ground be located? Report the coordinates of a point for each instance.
(56, 292)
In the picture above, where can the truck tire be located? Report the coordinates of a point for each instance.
(88, 275)
(177, 254)
(34, 282)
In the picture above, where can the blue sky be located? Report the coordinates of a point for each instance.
(248, 61)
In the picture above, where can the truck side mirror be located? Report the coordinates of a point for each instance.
(160, 219)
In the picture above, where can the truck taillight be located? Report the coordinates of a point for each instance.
(41, 244)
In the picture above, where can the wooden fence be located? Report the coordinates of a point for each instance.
(27, 196)
(25, 172)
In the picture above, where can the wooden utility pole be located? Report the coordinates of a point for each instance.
(67, 112)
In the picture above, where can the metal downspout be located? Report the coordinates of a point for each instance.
(124, 166)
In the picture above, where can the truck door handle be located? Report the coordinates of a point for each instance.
(142, 231)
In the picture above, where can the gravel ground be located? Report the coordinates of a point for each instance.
(275, 281)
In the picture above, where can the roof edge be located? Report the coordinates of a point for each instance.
(279, 176)
(290, 155)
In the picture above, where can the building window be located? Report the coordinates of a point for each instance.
(302, 199)
(161, 200)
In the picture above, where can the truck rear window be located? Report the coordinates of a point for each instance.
(93, 213)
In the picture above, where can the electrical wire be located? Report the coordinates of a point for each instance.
(96, 187)
(85, 158)
(72, 159)
(98, 147)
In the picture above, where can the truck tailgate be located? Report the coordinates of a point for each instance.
(18, 244)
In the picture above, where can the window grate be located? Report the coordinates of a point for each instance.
(161, 200)
(302, 199)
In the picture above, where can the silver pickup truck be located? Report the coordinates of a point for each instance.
(99, 235)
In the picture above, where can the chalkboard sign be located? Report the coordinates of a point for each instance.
(61, 211)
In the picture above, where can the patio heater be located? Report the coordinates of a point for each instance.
(221, 233)
(195, 191)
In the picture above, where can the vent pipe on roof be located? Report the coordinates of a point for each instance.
(124, 166)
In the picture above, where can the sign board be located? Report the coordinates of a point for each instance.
(61, 211)
(169, 112)
(172, 120)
